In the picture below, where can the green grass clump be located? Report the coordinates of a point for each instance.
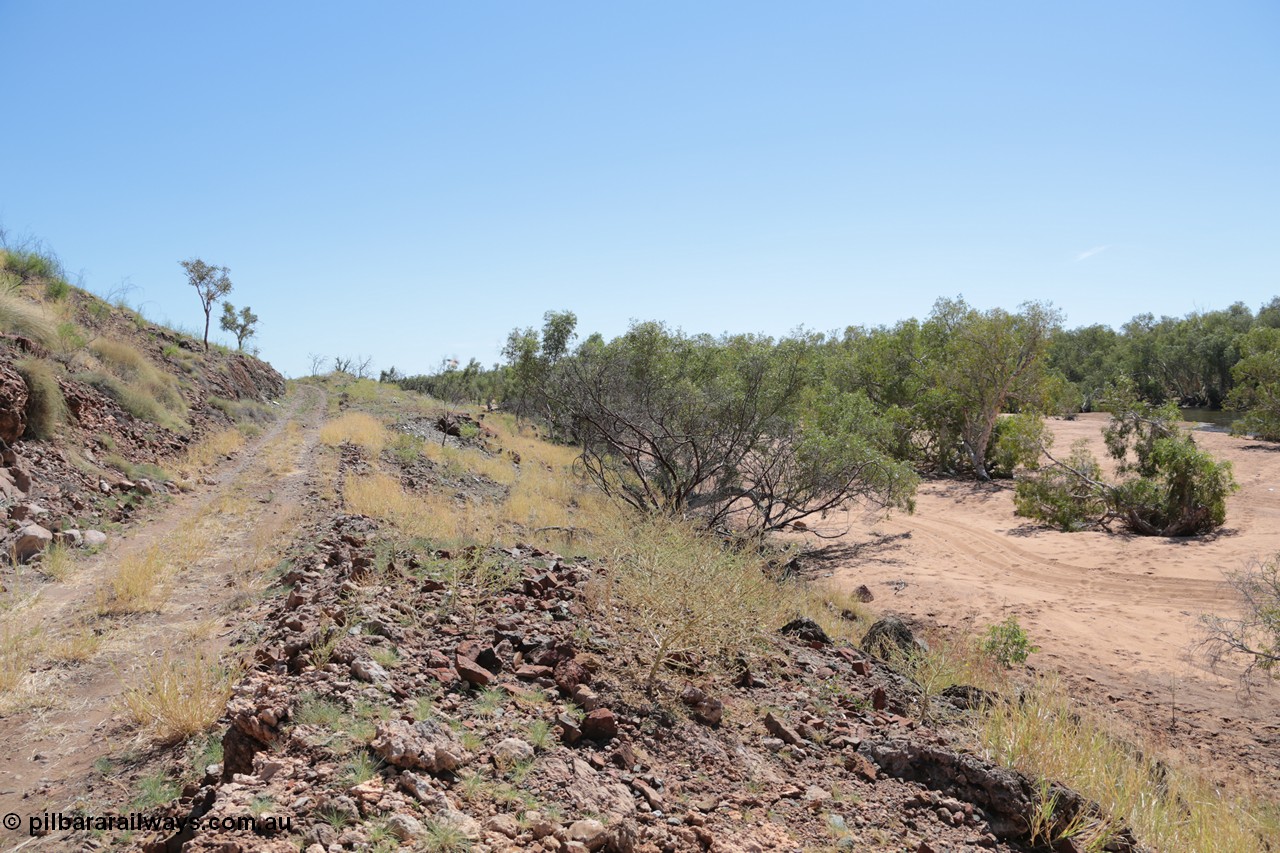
(46, 408)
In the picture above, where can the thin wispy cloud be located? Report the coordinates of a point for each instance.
(1089, 253)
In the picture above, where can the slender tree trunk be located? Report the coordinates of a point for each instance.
(206, 330)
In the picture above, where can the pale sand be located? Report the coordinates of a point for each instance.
(1115, 613)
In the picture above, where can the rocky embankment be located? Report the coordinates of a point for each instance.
(474, 700)
(71, 484)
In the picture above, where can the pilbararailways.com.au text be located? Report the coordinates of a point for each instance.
(47, 822)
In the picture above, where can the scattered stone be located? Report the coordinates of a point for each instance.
(505, 824)
(424, 745)
(510, 752)
(806, 630)
(472, 673)
(406, 827)
(590, 833)
(71, 538)
(31, 540)
(967, 697)
(863, 594)
(370, 671)
(94, 539)
(781, 730)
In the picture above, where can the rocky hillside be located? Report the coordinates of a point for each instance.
(394, 703)
(94, 400)
(405, 691)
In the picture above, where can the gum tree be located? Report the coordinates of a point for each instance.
(211, 284)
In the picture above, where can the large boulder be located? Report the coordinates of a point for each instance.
(890, 638)
(31, 540)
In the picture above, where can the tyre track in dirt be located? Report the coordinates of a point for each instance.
(992, 551)
(1116, 615)
(71, 716)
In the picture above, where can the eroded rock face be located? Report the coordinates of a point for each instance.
(13, 404)
(1009, 798)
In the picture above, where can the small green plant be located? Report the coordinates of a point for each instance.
(360, 768)
(386, 656)
(56, 289)
(154, 791)
(1008, 644)
(540, 734)
(443, 837)
(491, 701)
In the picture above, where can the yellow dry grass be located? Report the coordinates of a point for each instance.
(131, 587)
(213, 447)
(173, 699)
(57, 562)
(381, 496)
(77, 645)
(358, 428)
(1168, 806)
(17, 648)
(28, 318)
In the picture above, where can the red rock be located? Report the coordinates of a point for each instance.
(472, 673)
(532, 672)
(600, 724)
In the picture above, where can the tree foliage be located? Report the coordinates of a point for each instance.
(732, 429)
(1168, 485)
(944, 383)
(1255, 634)
(243, 324)
(1257, 388)
(211, 284)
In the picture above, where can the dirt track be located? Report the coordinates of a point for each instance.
(71, 717)
(1116, 614)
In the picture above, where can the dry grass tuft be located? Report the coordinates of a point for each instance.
(1050, 736)
(431, 516)
(57, 562)
(76, 646)
(358, 428)
(132, 585)
(21, 316)
(681, 593)
(176, 699)
(206, 451)
(46, 408)
(16, 650)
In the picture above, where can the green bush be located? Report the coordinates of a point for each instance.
(1171, 486)
(56, 289)
(1015, 443)
(1007, 644)
(1062, 495)
(46, 408)
(32, 264)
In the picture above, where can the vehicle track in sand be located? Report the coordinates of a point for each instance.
(222, 537)
(1116, 615)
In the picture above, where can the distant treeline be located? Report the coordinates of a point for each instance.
(773, 430)
(1189, 360)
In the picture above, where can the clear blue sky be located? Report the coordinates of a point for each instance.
(412, 180)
